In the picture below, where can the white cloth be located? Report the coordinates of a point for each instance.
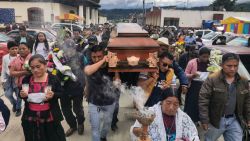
(41, 49)
(185, 128)
(36, 97)
(5, 66)
(99, 38)
(2, 123)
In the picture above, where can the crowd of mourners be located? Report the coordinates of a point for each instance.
(75, 69)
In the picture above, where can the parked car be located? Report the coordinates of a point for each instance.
(3, 47)
(50, 34)
(209, 38)
(202, 32)
(239, 41)
(244, 54)
(70, 26)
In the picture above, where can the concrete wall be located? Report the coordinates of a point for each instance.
(21, 12)
(153, 20)
(190, 18)
(102, 20)
(65, 9)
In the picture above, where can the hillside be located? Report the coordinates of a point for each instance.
(118, 14)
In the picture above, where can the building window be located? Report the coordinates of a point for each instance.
(171, 22)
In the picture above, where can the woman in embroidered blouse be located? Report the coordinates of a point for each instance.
(41, 120)
(170, 123)
(41, 45)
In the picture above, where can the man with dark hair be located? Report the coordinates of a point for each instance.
(224, 102)
(155, 84)
(79, 41)
(72, 101)
(189, 54)
(100, 93)
(25, 38)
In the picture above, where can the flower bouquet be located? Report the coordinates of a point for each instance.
(57, 65)
(215, 61)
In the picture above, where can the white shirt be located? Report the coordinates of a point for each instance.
(2, 123)
(99, 38)
(5, 66)
(41, 49)
(23, 40)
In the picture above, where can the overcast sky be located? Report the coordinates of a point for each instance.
(111, 4)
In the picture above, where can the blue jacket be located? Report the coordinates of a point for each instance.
(179, 72)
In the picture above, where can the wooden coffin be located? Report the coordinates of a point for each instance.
(120, 49)
(131, 30)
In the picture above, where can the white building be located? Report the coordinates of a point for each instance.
(49, 11)
(102, 19)
(187, 18)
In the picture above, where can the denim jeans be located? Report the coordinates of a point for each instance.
(229, 128)
(97, 115)
(8, 92)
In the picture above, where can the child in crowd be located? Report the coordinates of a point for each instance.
(8, 82)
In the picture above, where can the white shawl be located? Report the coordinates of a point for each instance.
(185, 128)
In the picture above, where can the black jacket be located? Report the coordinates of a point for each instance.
(5, 112)
(30, 41)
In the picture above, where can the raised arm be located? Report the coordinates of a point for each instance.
(90, 69)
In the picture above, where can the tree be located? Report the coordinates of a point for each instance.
(219, 5)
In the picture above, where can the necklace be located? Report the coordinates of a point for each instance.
(168, 129)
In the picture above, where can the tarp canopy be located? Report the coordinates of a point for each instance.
(69, 16)
(234, 20)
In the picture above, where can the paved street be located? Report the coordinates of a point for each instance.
(14, 130)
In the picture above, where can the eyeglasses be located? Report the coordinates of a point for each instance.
(165, 65)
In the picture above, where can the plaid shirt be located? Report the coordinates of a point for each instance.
(17, 64)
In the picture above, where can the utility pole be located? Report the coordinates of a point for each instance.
(144, 13)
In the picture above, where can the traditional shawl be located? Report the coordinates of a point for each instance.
(185, 128)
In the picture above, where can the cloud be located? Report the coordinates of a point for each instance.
(126, 4)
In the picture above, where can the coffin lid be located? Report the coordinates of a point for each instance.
(132, 43)
(130, 30)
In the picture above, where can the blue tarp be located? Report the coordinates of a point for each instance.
(246, 28)
(7, 15)
(232, 28)
(208, 24)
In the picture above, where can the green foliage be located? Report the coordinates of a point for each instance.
(118, 14)
(243, 7)
(123, 14)
(229, 5)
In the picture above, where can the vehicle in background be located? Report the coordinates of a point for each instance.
(50, 34)
(3, 47)
(70, 26)
(209, 38)
(244, 54)
(241, 41)
(202, 32)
